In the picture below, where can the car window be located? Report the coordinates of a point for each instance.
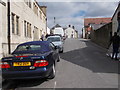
(54, 39)
(28, 47)
(52, 46)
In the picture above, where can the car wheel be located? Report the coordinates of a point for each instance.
(61, 51)
(58, 59)
(53, 72)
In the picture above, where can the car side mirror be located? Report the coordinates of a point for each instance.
(56, 47)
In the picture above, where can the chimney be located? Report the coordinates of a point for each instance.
(69, 25)
(73, 27)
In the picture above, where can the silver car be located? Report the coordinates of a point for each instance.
(57, 41)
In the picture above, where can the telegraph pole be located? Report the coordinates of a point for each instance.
(54, 20)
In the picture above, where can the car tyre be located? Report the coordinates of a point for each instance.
(61, 51)
(58, 59)
(53, 72)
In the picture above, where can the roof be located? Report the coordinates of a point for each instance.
(53, 36)
(97, 26)
(44, 47)
(88, 21)
(57, 25)
(64, 28)
(35, 43)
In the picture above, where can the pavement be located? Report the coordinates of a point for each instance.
(83, 65)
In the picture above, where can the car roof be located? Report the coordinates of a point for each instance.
(53, 36)
(35, 42)
(44, 44)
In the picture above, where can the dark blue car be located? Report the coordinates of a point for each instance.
(36, 59)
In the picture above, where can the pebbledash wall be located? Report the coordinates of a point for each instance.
(27, 23)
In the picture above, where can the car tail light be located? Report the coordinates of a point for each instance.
(40, 63)
(21, 56)
(4, 65)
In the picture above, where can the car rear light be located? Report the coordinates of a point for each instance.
(21, 56)
(4, 65)
(40, 63)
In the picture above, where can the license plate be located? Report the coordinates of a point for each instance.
(21, 64)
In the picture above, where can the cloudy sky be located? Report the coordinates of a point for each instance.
(73, 13)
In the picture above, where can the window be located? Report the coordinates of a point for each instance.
(17, 25)
(28, 48)
(25, 28)
(40, 14)
(28, 2)
(35, 9)
(29, 30)
(13, 23)
(52, 46)
(44, 19)
(53, 39)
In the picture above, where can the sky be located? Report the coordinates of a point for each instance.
(73, 13)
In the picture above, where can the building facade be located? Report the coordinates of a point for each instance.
(76, 34)
(57, 29)
(114, 20)
(71, 32)
(27, 23)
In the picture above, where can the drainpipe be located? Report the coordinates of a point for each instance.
(8, 36)
(46, 25)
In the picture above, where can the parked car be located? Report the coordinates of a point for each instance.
(36, 59)
(57, 41)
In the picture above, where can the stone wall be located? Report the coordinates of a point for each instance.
(102, 35)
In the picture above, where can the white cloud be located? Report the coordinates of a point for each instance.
(74, 12)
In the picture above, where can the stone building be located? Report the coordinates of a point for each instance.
(27, 23)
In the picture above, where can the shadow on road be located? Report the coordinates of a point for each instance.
(22, 83)
(92, 58)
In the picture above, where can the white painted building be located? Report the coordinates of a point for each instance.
(48, 30)
(27, 23)
(57, 29)
(114, 20)
(70, 32)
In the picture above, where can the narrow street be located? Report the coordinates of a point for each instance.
(83, 65)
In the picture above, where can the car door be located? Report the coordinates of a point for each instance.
(55, 51)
